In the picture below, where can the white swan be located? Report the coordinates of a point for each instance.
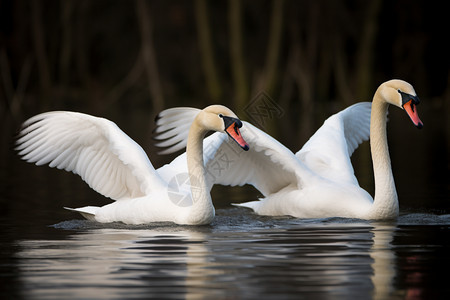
(117, 167)
(318, 181)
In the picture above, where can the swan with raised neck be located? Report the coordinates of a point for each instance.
(117, 167)
(319, 181)
(212, 118)
(401, 94)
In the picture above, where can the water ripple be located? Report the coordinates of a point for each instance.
(240, 255)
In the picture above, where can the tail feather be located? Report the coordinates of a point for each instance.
(87, 212)
(252, 204)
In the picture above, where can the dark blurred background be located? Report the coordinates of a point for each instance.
(128, 60)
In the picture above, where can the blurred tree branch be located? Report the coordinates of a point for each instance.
(5, 72)
(148, 55)
(39, 45)
(269, 79)
(341, 72)
(236, 53)
(206, 51)
(304, 58)
(81, 48)
(126, 83)
(365, 58)
(14, 96)
(66, 41)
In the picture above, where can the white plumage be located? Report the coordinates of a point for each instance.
(117, 167)
(289, 182)
(318, 181)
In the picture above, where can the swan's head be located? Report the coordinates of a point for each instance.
(402, 94)
(222, 119)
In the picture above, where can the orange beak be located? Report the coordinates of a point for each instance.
(411, 110)
(235, 134)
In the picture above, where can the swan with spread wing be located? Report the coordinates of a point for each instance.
(318, 181)
(117, 167)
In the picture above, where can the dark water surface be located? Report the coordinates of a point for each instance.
(239, 256)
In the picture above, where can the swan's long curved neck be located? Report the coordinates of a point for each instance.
(385, 200)
(202, 207)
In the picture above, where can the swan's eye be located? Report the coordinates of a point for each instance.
(220, 116)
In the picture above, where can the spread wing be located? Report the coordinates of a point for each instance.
(328, 151)
(268, 165)
(94, 148)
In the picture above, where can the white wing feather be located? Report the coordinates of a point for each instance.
(173, 126)
(268, 165)
(94, 148)
(328, 151)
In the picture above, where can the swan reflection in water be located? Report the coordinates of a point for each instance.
(328, 259)
(110, 263)
(383, 261)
